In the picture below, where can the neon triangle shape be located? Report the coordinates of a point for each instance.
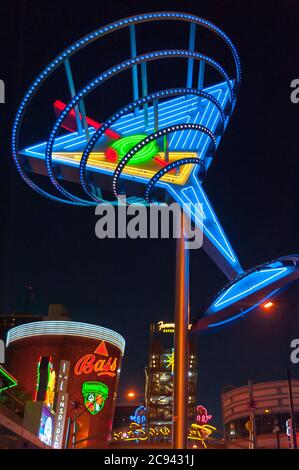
(101, 349)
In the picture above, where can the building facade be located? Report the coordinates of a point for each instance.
(159, 380)
(71, 371)
(272, 414)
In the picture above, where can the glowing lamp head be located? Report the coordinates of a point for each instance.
(131, 395)
(268, 305)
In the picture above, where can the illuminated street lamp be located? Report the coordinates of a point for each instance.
(268, 305)
(131, 395)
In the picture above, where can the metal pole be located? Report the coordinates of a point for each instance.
(276, 430)
(166, 148)
(201, 75)
(144, 91)
(252, 439)
(191, 49)
(156, 114)
(201, 78)
(84, 119)
(134, 68)
(29, 297)
(278, 440)
(292, 413)
(180, 385)
(73, 92)
(74, 440)
(67, 433)
(81, 102)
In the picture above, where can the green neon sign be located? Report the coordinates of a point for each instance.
(120, 147)
(95, 395)
(8, 380)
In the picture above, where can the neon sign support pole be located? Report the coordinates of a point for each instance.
(74, 437)
(84, 119)
(134, 68)
(166, 148)
(67, 437)
(190, 61)
(156, 114)
(81, 102)
(144, 91)
(180, 386)
(252, 435)
(73, 92)
(201, 75)
(292, 414)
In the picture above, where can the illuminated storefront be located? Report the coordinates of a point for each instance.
(62, 363)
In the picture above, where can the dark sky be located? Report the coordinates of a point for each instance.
(253, 185)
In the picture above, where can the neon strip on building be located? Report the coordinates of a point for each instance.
(67, 328)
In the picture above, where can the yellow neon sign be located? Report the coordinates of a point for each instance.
(170, 361)
(164, 327)
(137, 432)
(98, 160)
(200, 433)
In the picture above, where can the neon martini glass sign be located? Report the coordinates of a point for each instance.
(159, 146)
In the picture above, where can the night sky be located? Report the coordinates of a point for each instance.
(253, 186)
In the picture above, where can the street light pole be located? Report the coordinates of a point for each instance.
(276, 431)
(292, 413)
(181, 353)
(252, 435)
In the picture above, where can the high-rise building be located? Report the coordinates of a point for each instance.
(159, 380)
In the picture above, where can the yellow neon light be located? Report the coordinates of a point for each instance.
(165, 327)
(98, 160)
(200, 432)
(50, 395)
(170, 361)
(137, 432)
(168, 327)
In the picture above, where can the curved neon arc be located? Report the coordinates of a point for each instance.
(154, 136)
(183, 161)
(250, 289)
(244, 312)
